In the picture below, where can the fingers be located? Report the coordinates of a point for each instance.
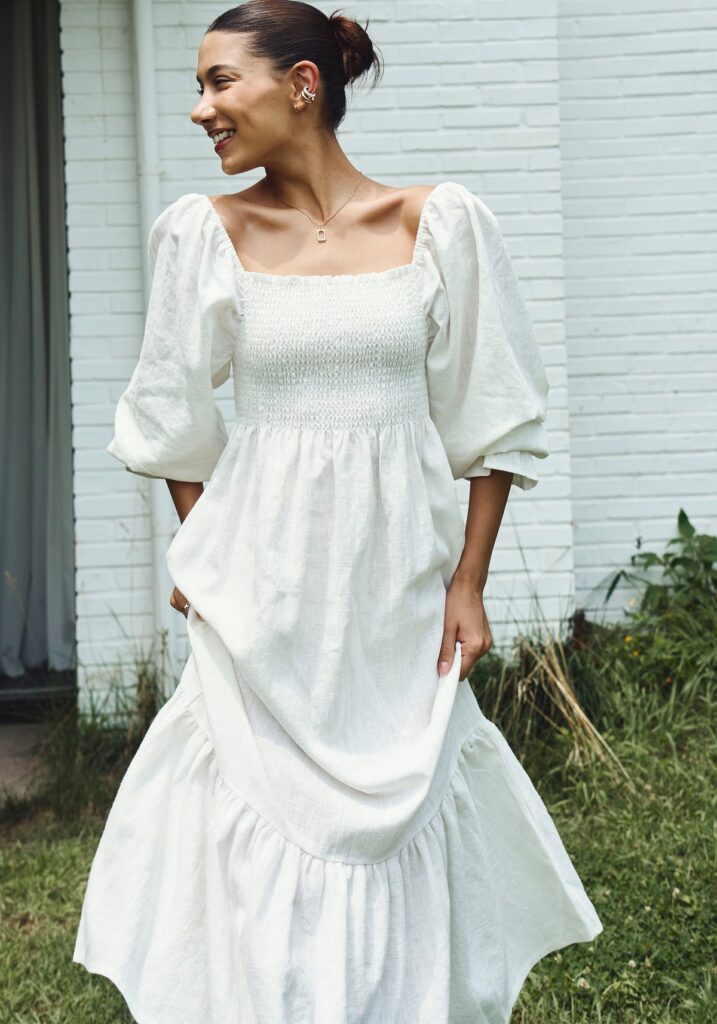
(471, 650)
(179, 602)
(447, 653)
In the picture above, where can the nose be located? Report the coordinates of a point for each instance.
(203, 111)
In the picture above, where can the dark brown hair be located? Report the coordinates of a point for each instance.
(288, 31)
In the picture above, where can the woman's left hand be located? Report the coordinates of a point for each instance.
(179, 602)
(465, 620)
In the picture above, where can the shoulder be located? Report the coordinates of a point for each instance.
(446, 195)
(450, 216)
(177, 210)
(415, 198)
(183, 221)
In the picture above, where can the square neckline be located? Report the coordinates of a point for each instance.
(402, 268)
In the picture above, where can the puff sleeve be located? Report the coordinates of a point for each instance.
(167, 423)
(487, 385)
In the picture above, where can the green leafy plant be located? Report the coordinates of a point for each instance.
(668, 647)
(688, 574)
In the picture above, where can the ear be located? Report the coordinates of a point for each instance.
(304, 73)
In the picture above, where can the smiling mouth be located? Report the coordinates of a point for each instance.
(221, 139)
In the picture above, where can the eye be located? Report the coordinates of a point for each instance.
(217, 81)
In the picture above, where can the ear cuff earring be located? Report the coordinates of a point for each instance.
(307, 94)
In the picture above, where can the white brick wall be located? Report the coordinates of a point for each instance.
(106, 310)
(639, 146)
(470, 93)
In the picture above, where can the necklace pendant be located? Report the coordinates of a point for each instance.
(320, 234)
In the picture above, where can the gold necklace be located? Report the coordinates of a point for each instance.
(320, 227)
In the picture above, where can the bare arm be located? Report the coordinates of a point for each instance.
(465, 617)
(486, 506)
(184, 496)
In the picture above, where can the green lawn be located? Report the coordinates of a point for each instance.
(647, 859)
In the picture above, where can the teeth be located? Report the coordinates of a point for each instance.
(222, 135)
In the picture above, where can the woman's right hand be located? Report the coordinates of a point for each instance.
(179, 602)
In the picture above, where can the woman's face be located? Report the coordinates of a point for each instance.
(240, 93)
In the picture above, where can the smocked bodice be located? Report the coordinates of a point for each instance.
(345, 353)
(446, 337)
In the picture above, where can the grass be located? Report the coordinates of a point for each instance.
(615, 726)
(43, 867)
(646, 854)
(646, 858)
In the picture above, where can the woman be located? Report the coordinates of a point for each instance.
(321, 826)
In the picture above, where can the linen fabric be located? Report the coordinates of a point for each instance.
(317, 827)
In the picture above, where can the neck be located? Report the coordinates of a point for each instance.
(316, 179)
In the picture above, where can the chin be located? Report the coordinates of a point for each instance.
(238, 167)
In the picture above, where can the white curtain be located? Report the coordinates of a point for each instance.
(36, 515)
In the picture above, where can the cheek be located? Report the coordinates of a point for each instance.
(262, 115)
(261, 122)
(264, 103)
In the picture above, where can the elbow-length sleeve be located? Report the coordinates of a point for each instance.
(487, 385)
(167, 423)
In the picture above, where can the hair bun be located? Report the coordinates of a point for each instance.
(357, 52)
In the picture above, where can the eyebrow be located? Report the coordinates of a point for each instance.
(216, 67)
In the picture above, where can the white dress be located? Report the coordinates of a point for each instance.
(317, 828)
